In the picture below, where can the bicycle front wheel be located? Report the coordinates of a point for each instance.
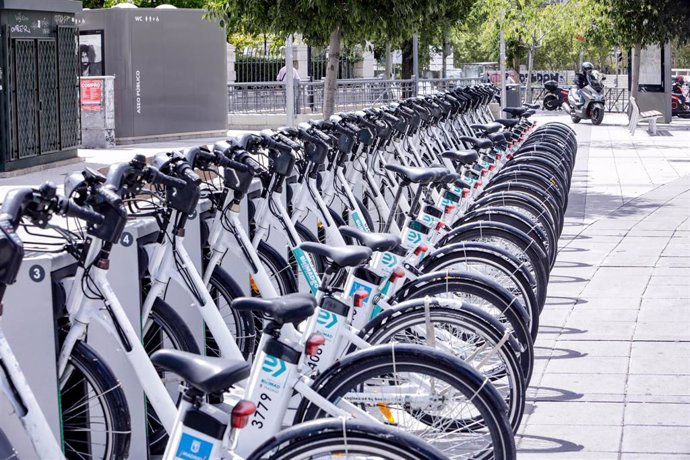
(95, 418)
(348, 439)
(426, 393)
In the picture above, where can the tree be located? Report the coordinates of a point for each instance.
(638, 23)
(146, 3)
(322, 22)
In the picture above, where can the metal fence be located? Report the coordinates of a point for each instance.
(269, 97)
(617, 99)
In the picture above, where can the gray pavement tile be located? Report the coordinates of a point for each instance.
(580, 385)
(589, 364)
(614, 282)
(566, 455)
(673, 262)
(587, 316)
(656, 439)
(661, 330)
(596, 347)
(557, 440)
(607, 302)
(657, 414)
(661, 385)
(667, 292)
(639, 456)
(664, 311)
(599, 330)
(670, 280)
(577, 413)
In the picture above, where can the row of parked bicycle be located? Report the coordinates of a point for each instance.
(420, 234)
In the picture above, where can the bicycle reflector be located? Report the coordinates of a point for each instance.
(396, 275)
(241, 413)
(485, 172)
(422, 248)
(313, 343)
(450, 208)
(478, 184)
(465, 192)
(359, 297)
(492, 166)
(440, 225)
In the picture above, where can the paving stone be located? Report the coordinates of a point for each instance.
(579, 413)
(657, 414)
(662, 385)
(656, 439)
(590, 364)
(556, 440)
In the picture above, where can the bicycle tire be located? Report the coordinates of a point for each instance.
(338, 437)
(383, 361)
(480, 288)
(241, 324)
(164, 320)
(483, 339)
(278, 269)
(497, 258)
(85, 364)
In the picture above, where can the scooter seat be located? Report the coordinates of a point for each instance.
(464, 157)
(507, 122)
(379, 242)
(342, 256)
(207, 374)
(291, 308)
(477, 143)
(414, 175)
(488, 127)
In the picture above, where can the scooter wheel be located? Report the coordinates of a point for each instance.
(575, 119)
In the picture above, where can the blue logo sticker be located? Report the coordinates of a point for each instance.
(191, 448)
(414, 237)
(327, 318)
(274, 366)
(356, 286)
(389, 260)
(359, 222)
(429, 220)
(308, 269)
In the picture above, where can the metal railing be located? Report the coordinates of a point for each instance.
(617, 99)
(269, 97)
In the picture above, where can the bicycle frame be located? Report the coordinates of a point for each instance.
(114, 319)
(17, 390)
(162, 269)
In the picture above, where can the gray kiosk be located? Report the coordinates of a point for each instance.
(39, 87)
(169, 67)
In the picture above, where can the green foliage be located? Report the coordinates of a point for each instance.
(646, 22)
(147, 3)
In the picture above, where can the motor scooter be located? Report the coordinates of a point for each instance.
(556, 96)
(588, 102)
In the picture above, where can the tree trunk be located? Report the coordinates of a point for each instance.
(389, 62)
(330, 84)
(444, 55)
(635, 74)
(530, 63)
(407, 67)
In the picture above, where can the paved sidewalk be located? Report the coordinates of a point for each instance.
(612, 377)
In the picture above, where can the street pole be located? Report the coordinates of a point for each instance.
(502, 63)
(415, 62)
(389, 62)
(289, 84)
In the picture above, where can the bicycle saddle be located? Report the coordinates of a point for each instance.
(488, 127)
(464, 157)
(415, 175)
(343, 256)
(528, 113)
(517, 111)
(477, 143)
(206, 374)
(379, 242)
(531, 106)
(291, 308)
(507, 122)
(497, 138)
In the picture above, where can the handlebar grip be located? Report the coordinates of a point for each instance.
(71, 209)
(163, 179)
(241, 167)
(191, 176)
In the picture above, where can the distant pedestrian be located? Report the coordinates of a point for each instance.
(282, 76)
(282, 73)
(509, 80)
